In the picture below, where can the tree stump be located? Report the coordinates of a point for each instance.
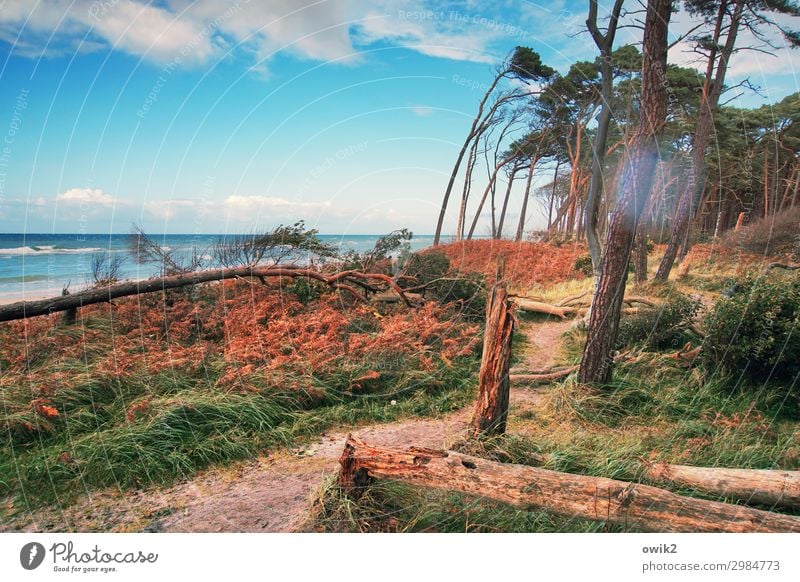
(491, 409)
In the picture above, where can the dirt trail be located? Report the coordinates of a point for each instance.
(272, 493)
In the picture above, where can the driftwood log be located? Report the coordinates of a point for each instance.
(343, 280)
(534, 378)
(491, 407)
(631, 505)
(562, 311)
(541, 307)
(765, 486)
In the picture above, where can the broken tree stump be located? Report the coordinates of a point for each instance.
(631, 505)
(765, 486)
(491, 408)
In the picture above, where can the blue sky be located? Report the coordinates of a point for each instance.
(214, 116)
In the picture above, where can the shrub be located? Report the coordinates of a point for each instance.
(306, 289)
(665, 326)
(756, 330)
(427, 267)
(467, 290)
(583, 264)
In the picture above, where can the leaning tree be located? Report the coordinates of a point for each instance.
(524, 64)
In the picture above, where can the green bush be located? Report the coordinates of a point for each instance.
(306, 289)
(427, 267)
(583, 264)
(665, 326)
(467, 290)
(757, 330)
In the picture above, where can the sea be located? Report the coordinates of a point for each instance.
(35, 266)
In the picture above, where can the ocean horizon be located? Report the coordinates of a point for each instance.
(39, 265)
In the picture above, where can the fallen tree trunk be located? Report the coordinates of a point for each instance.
(533, 379)
(567, 300)
(642, 300)
(25, 309)
(540, 307)
(784, 266)
(561, 311)
(631, 505)
(765, 486)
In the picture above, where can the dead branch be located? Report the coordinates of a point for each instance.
(686, 356)
(567, 300)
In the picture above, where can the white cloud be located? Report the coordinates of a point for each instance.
(261, 202)
(89, 196)
(203, 30)
(146, 30)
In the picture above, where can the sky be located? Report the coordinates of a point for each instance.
(228, 116)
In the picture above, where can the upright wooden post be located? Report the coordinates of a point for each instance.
(491, 409)
(739, 221)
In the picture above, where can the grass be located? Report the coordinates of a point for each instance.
(653, 411)
(188, 424)
(672, 416)
(149, 429)
(70, 424)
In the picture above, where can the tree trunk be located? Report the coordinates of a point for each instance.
(505, 202)
(768, 487)
(739, 221)
(605, 44)
(462, 211)
(705, 124)
(25, 309)
(489, 187)
(491, 408)
(766, 181)
(634, 189)
(478, 125)
(552, 196)
(630, 505)
(526, 194)
(640, 260)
